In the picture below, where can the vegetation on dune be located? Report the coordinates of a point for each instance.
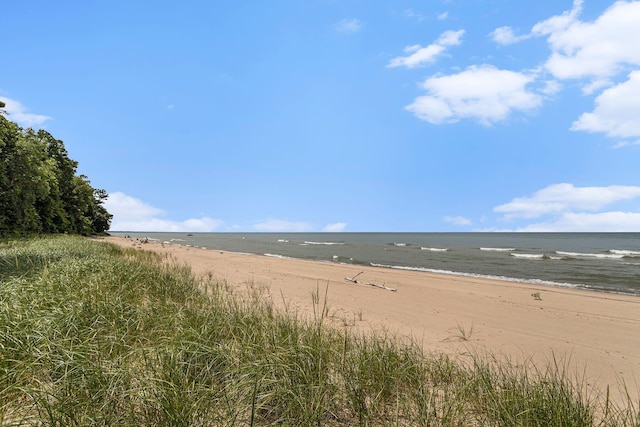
(39, 189)
(94, 334)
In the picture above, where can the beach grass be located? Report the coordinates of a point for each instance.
(94, 334)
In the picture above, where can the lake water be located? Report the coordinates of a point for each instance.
(608, 262)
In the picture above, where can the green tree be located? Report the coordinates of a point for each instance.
(39, 189)
(9, 136)
(100, 217)
(23, 179)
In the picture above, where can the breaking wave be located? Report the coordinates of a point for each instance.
(587, 255)
(530, 256)
(278, 256)
(323, 243)
(484, 276)
(624, 252)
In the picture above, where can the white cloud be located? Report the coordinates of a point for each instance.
(19, 114)
(559, 22)
(458, 220)
(127, 207)
(349, 26)
(505, 36)
(273, 225)
(419, 55)
(595, 54)
(443, 16)
(565, 207)
(595, 50)
(595, 85)
(551, 87)
(551, 26)
(131, 214)
(616, 112)
(338, 227)
(589, 222)
(484, 93)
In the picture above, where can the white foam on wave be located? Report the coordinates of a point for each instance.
(283, 241)
(483, 276)
(624, 252)
(529, 256)
(587, 255)
(400, 244)
(277, 256)
(434, 249)
(498, 249)
(324, 243)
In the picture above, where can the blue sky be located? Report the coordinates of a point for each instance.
(339, 115)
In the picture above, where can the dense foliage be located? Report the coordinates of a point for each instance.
(39, 189)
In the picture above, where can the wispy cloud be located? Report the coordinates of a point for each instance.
(410, 13)
(418, 56)
(132, 214)
(457, 220)
(274, 225)
(349, 26)
(338, 227)
(19, 113)
(506, 36)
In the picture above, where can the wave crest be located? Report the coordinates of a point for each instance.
(588, 255)
(498, 249)
(323, 243)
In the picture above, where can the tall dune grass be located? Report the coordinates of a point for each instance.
(93, 334)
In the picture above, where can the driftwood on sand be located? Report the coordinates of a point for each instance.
(375, 285)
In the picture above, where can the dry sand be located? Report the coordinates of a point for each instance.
(596, 334)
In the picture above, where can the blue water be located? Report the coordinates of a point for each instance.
(608, 262)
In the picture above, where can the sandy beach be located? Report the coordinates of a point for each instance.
(597, 335)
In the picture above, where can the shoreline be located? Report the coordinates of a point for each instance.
(593, 334)
(533, 282)
(573, 261)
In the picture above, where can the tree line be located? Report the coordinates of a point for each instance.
(39, 189)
